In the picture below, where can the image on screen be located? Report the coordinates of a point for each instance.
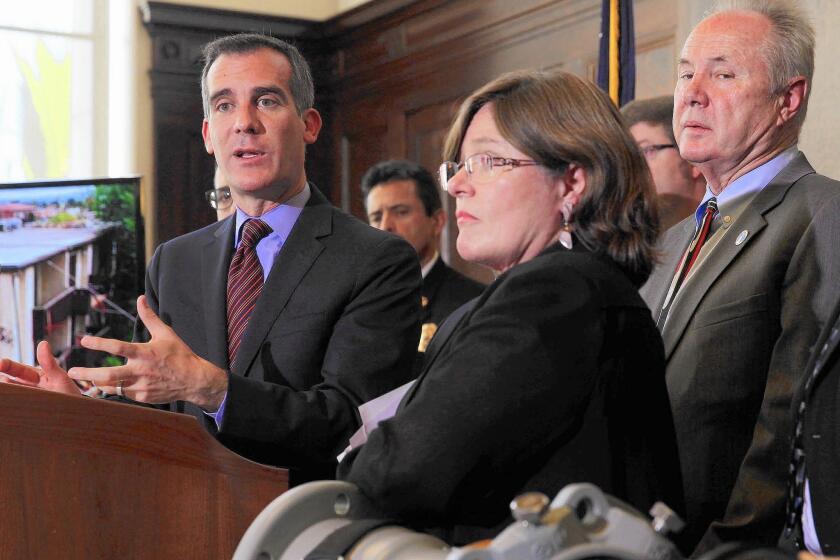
(71, 262)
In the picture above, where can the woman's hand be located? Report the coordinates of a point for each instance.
(49, 376)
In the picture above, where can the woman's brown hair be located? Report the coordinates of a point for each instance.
(557, 118)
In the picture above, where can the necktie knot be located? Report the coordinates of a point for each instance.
(708, 208)
(253, 231)
(711, 204)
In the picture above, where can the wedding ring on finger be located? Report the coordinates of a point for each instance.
(120, 388)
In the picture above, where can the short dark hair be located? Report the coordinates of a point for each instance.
(300, 82)
(402, 170)
(656, 110)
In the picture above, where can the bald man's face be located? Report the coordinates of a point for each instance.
(724, 114)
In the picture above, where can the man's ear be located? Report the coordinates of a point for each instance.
(792, 99)
(205, 133)
(439, 217)
(312, 125)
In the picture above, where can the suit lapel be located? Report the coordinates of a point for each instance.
(296, 257)
(439, 341)
(825, 347)
(672, 247)
(726, 251)
(433, 279)
(215, 262)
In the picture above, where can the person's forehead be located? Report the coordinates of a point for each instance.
(483, 135)
(255, 66)
(729, 36)
(395, 191)
(648, 130)
(482, 127)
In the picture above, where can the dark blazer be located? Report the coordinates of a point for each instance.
(336, 324)
(821, 434)
(554, 375)
(445, 290)
(737, 340)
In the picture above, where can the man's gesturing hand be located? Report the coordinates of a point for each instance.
(159, 371)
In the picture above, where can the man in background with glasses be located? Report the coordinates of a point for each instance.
(679, 185)
(219, 197)
(403, 198)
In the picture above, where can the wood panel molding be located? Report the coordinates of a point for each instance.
(390, 73)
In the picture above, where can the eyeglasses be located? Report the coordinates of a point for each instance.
(648, 151)
(481, 168)
(219, 199)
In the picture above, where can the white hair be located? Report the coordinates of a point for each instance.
(789, 49)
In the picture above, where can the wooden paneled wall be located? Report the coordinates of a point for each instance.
(389, 75)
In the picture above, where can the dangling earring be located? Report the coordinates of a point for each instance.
(566, 231)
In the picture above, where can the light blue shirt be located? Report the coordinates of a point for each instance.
(809, 530)
(731, 202)
(281, 220)
(746, 186)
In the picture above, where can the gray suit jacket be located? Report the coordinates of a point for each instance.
(737, 341)
(336, 325)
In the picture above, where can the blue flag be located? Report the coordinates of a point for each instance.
(617, 52)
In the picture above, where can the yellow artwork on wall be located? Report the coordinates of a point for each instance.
(48, 84)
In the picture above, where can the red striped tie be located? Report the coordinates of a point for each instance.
(701, 234)
(245, 280)
(697, 243)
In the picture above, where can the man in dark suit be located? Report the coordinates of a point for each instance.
(812, 505)
(756, 268)
(402, 197)
(322, 311)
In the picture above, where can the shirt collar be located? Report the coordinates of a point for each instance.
(281, 218)
(748, 184)
(427, 268)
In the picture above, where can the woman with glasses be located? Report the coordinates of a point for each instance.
(555, 373)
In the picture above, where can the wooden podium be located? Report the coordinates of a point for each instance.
(87, 478)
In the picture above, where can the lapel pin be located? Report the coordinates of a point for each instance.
(741, 237)
(427, 331)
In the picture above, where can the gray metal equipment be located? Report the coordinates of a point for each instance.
(580, 523)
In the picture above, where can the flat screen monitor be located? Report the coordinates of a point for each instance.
(71, 263)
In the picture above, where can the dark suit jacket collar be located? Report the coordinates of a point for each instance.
(460, 315)
(752, 221)
(822, 350)
(299, 251)
(434, 278)
(441, 337)
(215, 261)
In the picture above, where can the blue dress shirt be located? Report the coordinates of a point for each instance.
(281, 220)
(746, 185)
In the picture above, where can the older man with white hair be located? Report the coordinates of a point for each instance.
(747, 281)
